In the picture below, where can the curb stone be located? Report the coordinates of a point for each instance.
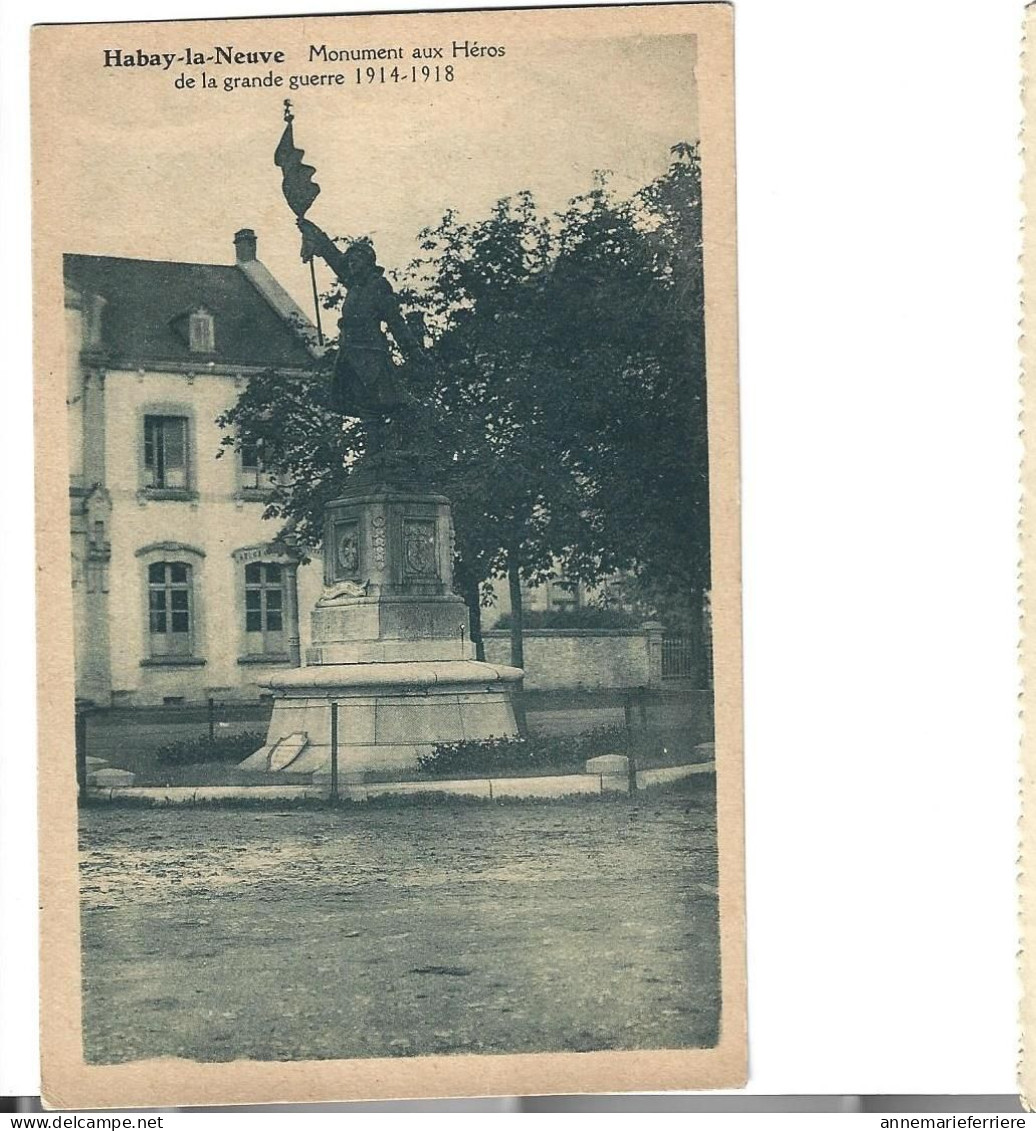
(483, 789)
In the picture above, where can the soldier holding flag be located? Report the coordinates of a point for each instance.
(366, 381)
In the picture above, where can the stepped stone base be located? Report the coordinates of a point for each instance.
(389, 714)
(390, 642)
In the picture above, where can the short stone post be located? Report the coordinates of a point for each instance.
(653, 631)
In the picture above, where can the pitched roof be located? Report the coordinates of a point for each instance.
(144, 298)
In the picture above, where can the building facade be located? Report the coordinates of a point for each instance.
(181, 589)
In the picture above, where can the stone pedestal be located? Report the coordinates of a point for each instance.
(390, 646)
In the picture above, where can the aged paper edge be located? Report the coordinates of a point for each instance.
(1027, 863)
(67, 1080)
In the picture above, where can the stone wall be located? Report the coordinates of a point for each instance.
(584, 659)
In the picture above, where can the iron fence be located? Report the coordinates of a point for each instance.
(678, 660)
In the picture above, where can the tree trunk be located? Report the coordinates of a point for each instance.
(473, 596)
(514, 586)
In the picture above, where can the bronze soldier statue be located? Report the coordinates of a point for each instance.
(367, 383)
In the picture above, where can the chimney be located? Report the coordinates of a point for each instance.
(244, 245)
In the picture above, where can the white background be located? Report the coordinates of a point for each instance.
(878, 237)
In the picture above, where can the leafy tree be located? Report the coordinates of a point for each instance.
(631, 289)
(519, 506)
(567, 394)
(308, 447)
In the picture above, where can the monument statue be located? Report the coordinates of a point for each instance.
(390, 668)
(367, 382)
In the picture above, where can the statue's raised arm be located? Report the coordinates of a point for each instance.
(315, 241)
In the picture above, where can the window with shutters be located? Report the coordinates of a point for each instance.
(255, 479)
(170, 609)
(264, 609)
(165, 453)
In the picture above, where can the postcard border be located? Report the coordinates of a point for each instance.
(68, 1082)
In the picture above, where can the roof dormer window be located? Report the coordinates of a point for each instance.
(201, 331)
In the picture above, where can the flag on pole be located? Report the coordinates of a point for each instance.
(300, 190)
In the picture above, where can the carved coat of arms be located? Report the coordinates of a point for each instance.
(419, 548)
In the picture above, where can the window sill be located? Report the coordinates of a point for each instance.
(168, 494)
(172, 662)
(255, 494)
(267, 658)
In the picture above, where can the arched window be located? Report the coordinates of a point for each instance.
(170, 609)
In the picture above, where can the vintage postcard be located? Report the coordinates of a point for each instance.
(389, 585)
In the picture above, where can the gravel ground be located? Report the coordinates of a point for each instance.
(213, 934)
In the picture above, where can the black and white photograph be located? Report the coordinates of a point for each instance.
(390, 688)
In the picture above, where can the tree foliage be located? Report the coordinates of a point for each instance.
(567, 391)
